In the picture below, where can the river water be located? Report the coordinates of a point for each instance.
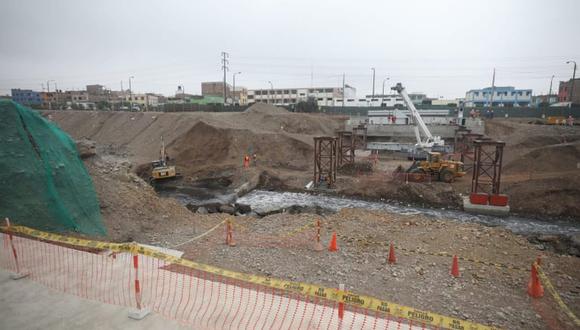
(267, 201)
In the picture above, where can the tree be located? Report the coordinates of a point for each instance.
(310, 105)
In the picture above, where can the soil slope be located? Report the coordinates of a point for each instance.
(201, 142)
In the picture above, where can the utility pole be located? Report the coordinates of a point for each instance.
(234, 86)
(225, 68)
(48, 94)
(343, 91)
(572, 86)
(373, 82)
(56, 91)
(122, 96)
(130, 95)
(271, 92)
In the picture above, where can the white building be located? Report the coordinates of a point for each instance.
(502, 96)
(144, 101)
(325, 96)
(390, 100)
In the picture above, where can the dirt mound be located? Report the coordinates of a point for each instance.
(539, 141)
(552, 158)
(552, 197)
(499, 130)
(265, 109)
(205, 147)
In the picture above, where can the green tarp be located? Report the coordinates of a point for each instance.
(43, 182)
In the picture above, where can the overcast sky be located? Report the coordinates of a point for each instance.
(442, 48)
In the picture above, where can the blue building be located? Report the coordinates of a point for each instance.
(502, 97)
(26, 97)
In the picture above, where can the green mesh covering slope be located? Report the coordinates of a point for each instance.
(43, 182)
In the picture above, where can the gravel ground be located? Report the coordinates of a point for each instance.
(281, 246)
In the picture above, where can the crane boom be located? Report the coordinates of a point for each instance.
(420, 126)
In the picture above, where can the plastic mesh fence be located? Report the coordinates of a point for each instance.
(43, 182)
(193, 297)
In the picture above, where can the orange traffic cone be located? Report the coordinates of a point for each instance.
(535, 288)
(455, 267)
(333, 246)
(392, 257)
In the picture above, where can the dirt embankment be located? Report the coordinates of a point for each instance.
(203, 143)
(541, 171)
(541, 163)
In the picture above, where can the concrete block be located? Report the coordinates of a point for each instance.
(139, 314)
(500, 211)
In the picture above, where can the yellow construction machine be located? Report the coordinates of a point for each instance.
(435, 167)
(160, 169)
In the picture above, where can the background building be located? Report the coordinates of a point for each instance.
(26, 96)
(77, 96)
(418, 98)
(565, 88)
(325, 96)
(147, 101)
(542, 100)
(215, 88)
(502, 96)
(240, 95)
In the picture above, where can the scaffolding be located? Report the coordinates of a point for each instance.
(487, 167)
(359, 138)
(465, 147)
(325, 160)
(345, 148)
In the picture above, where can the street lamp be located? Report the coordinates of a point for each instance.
(573, 78)
(271, 91)
(373, 82)
(384, 81)
(234, 87)
(130, 97)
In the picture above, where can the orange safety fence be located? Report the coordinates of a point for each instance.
(196, 294)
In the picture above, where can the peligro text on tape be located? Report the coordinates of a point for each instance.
(331, 294)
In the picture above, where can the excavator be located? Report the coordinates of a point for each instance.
(160, 170)
(431, 163)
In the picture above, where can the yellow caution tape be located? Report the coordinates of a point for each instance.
(556, 296)
(316, 291)
(286, 234)
(298, 230)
